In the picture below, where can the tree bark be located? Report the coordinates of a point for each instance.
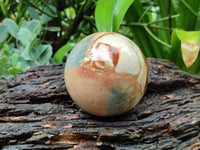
(36, 112)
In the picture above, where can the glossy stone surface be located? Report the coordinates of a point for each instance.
(106, 74)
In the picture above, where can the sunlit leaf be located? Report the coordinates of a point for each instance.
(60, 54)
(189, 36)
(104, 15)
(14, 70)
(120, 8)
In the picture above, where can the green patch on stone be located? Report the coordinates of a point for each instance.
(117, 102)
(78, 52)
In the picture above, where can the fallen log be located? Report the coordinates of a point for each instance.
(36, 112)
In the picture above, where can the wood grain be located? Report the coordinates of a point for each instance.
(36, 112)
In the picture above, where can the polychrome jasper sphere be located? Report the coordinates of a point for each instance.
(106, 74)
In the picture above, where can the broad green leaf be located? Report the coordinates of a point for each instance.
(120, 8)
(6, 50)
(25, 36)
(3, 33)
(18, 65)
(189, 36)
(3, 62)
(195, 67)
(37, 52)
(26, 54)
(14, 70)
(33, 26)
(24, 23)
(46, 55)
(12, 27)
(176, 52)
(33, 13)
(187, 19)
(14, 59)
(25, 64)
(104, 15)
(46, 18)
(60, 54)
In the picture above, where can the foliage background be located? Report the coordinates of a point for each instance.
(39, 32)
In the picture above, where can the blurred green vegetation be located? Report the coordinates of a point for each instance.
(39, 32)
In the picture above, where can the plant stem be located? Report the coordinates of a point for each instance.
(145, 12)
(163, 19)
(145, 24)
(154, 37)
(162, 28)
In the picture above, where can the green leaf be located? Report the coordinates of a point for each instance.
(189, 36)
(175, 51)
(3, 62)
(3, 33)
(195, 67)
(47, 18)
(14, 59)
(70, 12)
(6, 50)
(14, 70)
(46, 55)
(187, 19)
(120, 8)
(34, 25)
(37, 52)
(60, 54)
(33, 13)
(104, 15)
(3, 7)
(26, 54)
(52, 29)
(12, 27)
(25, 36)
(25, 64)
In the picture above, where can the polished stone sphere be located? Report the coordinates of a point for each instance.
(106, 74)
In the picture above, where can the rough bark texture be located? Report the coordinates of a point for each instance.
(37, 113)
